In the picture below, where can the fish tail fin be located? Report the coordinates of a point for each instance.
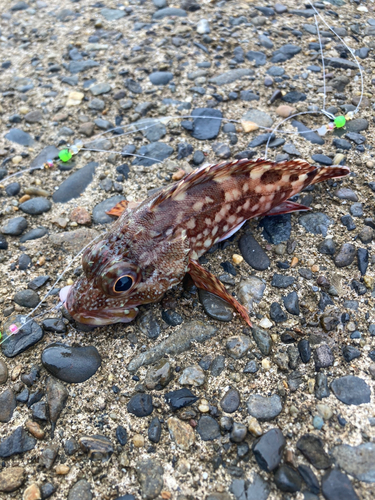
(326, 173)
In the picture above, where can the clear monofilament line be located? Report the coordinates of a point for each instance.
(323, 65)
(351, 52)
(29, 315)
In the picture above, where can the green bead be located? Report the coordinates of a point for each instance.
(65, 155)
(339, 121)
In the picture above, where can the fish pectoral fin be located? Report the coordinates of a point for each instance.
(286, 207)
(121, 206)
(207, 281)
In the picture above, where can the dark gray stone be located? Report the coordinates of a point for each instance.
(208, 428)
(351, 390)
(253, 253)
(71, 364)
(268, 449)
(311, 446)
(206, 124)
(75, 184)
(36, 206)
(337, 486)
(19, 137)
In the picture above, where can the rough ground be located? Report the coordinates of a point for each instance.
(205, 449)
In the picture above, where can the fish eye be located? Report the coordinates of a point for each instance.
(123, 284)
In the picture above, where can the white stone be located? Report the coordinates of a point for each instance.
(203, 27)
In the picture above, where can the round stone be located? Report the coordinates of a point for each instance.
(71, 364)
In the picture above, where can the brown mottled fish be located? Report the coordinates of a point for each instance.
(150, 248)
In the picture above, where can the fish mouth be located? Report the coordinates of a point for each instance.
(103, 317)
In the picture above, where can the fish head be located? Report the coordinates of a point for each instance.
(118, 277)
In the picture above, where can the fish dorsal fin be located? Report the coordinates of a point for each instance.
(224, 170)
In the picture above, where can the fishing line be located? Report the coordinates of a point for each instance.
(74, 149)
(337, 121)
(13, 327)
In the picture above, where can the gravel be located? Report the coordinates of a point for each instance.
(214, 385)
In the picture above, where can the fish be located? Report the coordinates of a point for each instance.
(151, 247)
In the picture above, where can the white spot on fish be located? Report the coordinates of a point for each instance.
(214, 231)
(208, 221)
(180, 196)
(285, 178)
(190, 223)
(231, 219)
(245, 187)
(256, 174)
(218, 217)
(198, 205)
(208, 199)
(194, 255)
(207, 243)
(258, 189)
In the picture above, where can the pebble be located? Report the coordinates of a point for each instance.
(150, 472)
(13, 188)
(280, 281)
(208, 428)
(238, 432)
(99, 214)
(268, 449)
(345, 255)
(285, 111)
(97, 447)
(277, 314)
(57, 396)
(327, 247)
(307, 133)
(208, 127)
(12, 478)
(20, 137)
(237, 346)
(192, 375)
(7, 405)
(230, 77)
(155, 151)
(75, 184)
(291, 303)
(172, 318)
(81, 490)
(264, 407)
(253, 253)
(287, 479)
(349, 353)
(363, 260)
(311, 446)
(161, 77)
(176, 343)
(346, 194)
(181, 433)
(336, 485)
(48, 456)
(358, 461)
(250, 290)
(3, 372)
(71, 364)
(154, 430)
(351, 390)
(262, 339)
(34, 234)
(26, 337)
(180, 398)
(230, 401)
(140, 405)
(17, 442)
(316, 222)
(276, 228)
(15, 226)
(215, 307)
(285, 52)
(35, 429)
(159, 375)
